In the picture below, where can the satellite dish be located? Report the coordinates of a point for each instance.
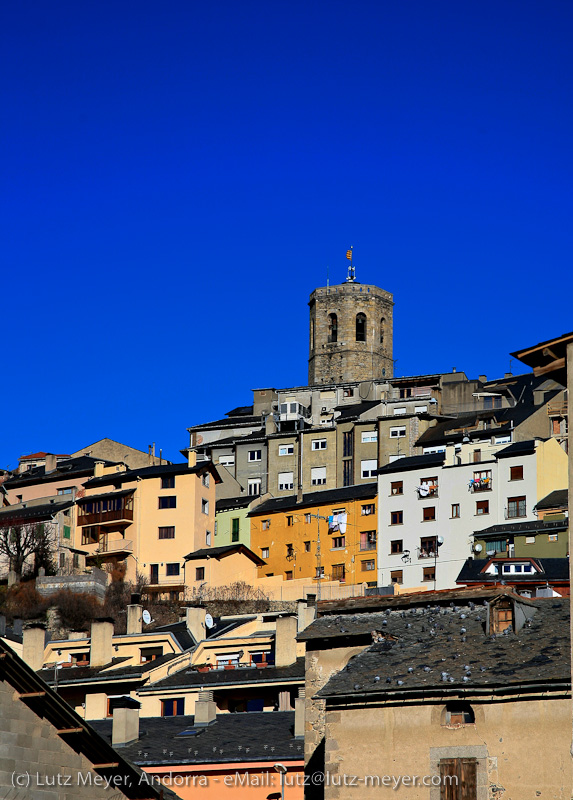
(477, 548)
(209, 620)
(490, 552)
(146, 617)
(440, 539)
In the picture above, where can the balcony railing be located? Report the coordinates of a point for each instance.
(557, 409)
(166, 580)
(480, 485)
(428, 553)
(368, 546)
(105, 517)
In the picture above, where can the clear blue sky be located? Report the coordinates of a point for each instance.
(178, 176)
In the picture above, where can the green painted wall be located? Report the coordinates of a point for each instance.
(224, 520)
(542, 548)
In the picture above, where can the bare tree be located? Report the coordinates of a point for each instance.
(28, 546)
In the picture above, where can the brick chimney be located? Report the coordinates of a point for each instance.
(134, 619)
(101, 642)
(205, 709)
(285, 641)
(195, 618)
(34, 640)
(125, 721)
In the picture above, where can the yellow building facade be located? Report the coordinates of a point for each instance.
(325, 536)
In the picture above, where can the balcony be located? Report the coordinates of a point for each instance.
(119, 548)
(367, 546)
(557, 409)
(480, 484)
(427, 490)
(293, 412)
(165, 581)
(123, 515)
(427, 553)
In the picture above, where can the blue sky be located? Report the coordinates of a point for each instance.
(177, 178)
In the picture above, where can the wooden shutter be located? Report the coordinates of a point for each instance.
(448, 774)
(458, 779)
(468, 782)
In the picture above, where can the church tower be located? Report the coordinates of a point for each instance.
(351, 333)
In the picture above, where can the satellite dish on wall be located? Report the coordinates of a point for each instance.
(440, 540)
(146, 616)
(477, 548)
(209, 620)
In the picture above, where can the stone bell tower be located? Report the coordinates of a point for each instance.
(351, 333)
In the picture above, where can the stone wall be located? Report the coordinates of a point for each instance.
(94, 583)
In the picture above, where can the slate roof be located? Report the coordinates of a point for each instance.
(223, 552)
(180, 631)
(348, 412)
(158, 471)
(413, 462)
(240, 411)
(525, 448)
(229, 503)
(534, 526)
(74, 674)
(31, 511)
(433, 650)
(552, 570)
(556, 499)
(325, 498)
(255, 736)
(228, 422)
(191, 678)
(70, 468)
(90, 497)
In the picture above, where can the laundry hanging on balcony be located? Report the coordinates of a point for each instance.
(337, 522)
(476, 484)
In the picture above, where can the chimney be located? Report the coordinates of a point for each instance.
(285, 641)
(299, 705)
(98, 469)
(101, 642)
(482, 379)
(125, 721)
(51, 462)
(270, 425)
(34, 639)
(76, 635)
(192, 458)
(17, 627)
(205, 709)
(134, 619)
(195, 618)
(305, 614)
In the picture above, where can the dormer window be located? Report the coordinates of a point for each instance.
(458, 713)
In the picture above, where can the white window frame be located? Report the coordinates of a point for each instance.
(227, 461)
(285, 481)
(252, 482)
(286, 449)
(420, 409)
(204, 506)
(318, 480)
(370, 471)
(398, 432)
(369, 436)
(318, 444)
(254, 455)
(264, 552)
(401, 410)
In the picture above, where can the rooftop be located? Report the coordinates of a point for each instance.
(158, 471)
(324, 498)
(191, 678)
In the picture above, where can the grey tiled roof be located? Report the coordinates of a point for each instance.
(551, 570)
(222, 677)
(555, 499)
(435, 649)
(255, 736)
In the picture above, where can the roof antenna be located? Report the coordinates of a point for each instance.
(351, 269)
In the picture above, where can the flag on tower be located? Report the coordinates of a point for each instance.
(349, 255)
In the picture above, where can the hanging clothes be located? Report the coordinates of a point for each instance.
(342, 518)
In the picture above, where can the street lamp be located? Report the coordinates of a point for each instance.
(280, 768)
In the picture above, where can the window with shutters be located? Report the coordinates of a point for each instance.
(458, 779)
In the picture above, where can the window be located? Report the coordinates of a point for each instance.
(368, 509)
(307, 519)
(204, 506)
(254, 486)
(530, 540)
(289, 520)
(347, 472)
(307, 547)
(65, 490)
(205, 479)
(429, 514)
(428, 547)
(62, 560)
(338, 542)
(368, 468)
(348, 392)
(347, 444)
(199, 573)
(169, 501)
(338, 573)
(369, 436)
(476, 456)
(235, 529)
(459, 713)
(396, 517)
(552, 537)
(76, 560)
(286, 481)
(167, 532)
(397, 487)
(168, 482)
(458, 779)
(405, 393)
(173, 708)
(318, 444)
(288, 575)
(398, 432)
(516, 507)
(399, 411)
(254, 455)
(428, 487)
(420, 409)
(497, 545)
(455, 510)
(332, 328)
(382, 326)
(318, 476)
(368, 565)
(429, 574)
(286, 449)
(67, 532)
(227, 461)
(481, 481)
(172, 569)
(482, 507)
(368, 540)
(397, 546)
(502, 439)
(319, 572)
(361, 327)
(266, 524)
(289, 551)
(81, 658)
(516, 473)
(396, 576)
(90, 534)
(208, 538)
(264, 552)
